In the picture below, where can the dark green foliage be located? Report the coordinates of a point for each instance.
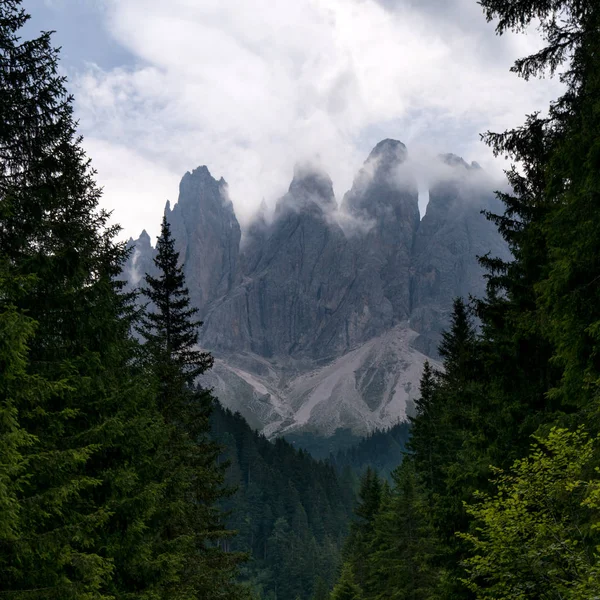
(59, 295)
(290, 510)
(362, 529)
(533, 538)
(189, 526)
(89, 462)
(451, 436)
(321, 590)
(382, 450)
(457, 350)
(322, 447)
(346, 588)
(404, 546)
(169, 328)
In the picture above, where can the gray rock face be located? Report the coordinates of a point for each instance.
(452, 234)
(140, 261)
(207, 235)
(298, 299)
(385, 197)
(325, 314)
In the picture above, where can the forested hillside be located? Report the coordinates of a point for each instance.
(382, 451)
(290, 511)
(499, 497)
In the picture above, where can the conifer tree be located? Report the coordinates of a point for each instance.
(450, 454)
(537, 532)
(346, 588)
(189, 525)
(457, 347)
(84, 437)
(425, 425)
(77, 496)
(401, 554)
(169, 328)
(363, 527)
(321, 590)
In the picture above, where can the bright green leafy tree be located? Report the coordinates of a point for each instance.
(537, 533)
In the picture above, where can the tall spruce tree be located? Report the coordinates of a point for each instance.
(535, 362)
(362, 529)
(449, 446)
(401, 554)
(77, 494)
(346, 588)
(457, 347)
(84, 440)
(189, 520)
(169, 327)
(424, 427)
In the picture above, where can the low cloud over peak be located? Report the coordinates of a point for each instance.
(250, 88)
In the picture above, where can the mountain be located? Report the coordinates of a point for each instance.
(452, 233)
(322, 317)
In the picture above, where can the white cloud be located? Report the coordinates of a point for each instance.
(135, 188)
(250, 87)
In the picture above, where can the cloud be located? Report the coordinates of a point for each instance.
(135, 188)
(250, 87)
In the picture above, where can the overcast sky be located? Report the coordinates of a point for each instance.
(249, 87)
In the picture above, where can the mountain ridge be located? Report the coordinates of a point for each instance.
(324, 315)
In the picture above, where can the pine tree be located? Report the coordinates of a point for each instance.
(543, 308)
(189, 525)
(59, 269)
(362, 528)
(401, 554)
(321, 590)
(449, 444)
(82, 431)
(346, 588)
(169, 328)
(457, 347)
(425, 425)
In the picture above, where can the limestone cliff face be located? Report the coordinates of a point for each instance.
(384, 198)
(324, 315)
(140, 261)
(452, 234)
(207, 235)
(295, 298)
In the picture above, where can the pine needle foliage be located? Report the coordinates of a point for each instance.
(190, 524)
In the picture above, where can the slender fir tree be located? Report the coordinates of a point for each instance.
(189, 520)
(81, 431)
(424, 426)
(169, 327)
(346, 588)
(457, 346)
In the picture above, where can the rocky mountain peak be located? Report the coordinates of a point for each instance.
(453, 160)
(383, 185)
(144, 239)
(200, 188)
(324, 317)
(387, 154)
(311, 187)
(207, 235)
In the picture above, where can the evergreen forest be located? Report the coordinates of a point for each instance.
(121, 478)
